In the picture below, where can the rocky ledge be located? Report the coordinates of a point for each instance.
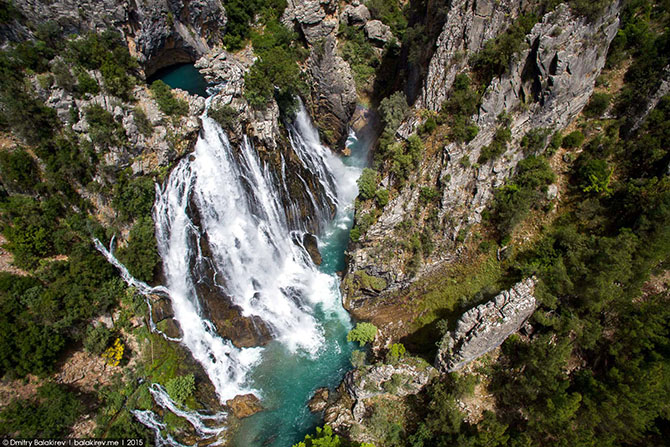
(486, 326)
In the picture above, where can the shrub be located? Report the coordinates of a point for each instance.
(597, 105)
(97, 339)
(367, 184)
(114, 354)
(225, 115)
(166, 100)
(573, 139)
(133, 197)
(458, 109)
(535, 140)
(49, 416)
(86, 84)
(427, 195)
(325, 437)
(19, 171)
(382, 197)
(396, 352)
(357, 358)
(494, 59)
(497, 147)
(105, 131)
(180, 388)
(513, 201)
(140, 255)
(363, 333)
(142, 122)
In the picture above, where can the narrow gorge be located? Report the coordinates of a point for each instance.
(335, 223)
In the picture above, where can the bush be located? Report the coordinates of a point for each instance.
(105, 131)
(427, 195)
(86, 84)
(573, 139)
(225, 115)
(513, 201)
(494, 59)
(357, 358)
(367, 184)
(535, 140)
(458, 109)
(97, 339)
(325, 437)
(133, 197)
(597, 105)
(382, 197)
(497, 147)
(19, 171)
(142, 122)
(140, 256)
(166, 100)
(180, 388)
(396, 352)
(363, 333)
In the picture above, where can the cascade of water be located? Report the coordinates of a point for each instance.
(256, 259)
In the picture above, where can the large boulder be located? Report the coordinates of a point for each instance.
(355, 15)
(486, 326)
(377, 32)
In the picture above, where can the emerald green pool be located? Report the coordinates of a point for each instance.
(184, 77)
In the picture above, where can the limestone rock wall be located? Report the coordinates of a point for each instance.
(546, 86)
(469, 24)
(486, 326)
(333, 91)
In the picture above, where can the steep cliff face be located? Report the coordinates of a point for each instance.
(333, 92)
(159, 32)
(546, 86)
(468, 26)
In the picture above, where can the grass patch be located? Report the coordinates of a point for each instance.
(444, 292)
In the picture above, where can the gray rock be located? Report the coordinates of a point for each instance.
(377, 32)
(662, 90)
(364, 383)
(316, 18)
(333, 100)
(319, 400)
(469, 24)
(355, 15)
(486, 326)
(552, 192)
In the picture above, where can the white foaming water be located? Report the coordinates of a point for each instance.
(258, 260)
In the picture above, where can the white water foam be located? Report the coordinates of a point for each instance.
(254, 253)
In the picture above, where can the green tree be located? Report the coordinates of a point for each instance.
(180, 388)
(363, 333)
(367, 184)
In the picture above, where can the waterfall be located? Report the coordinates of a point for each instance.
(252, 250)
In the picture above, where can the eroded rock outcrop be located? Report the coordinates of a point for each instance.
(361, 385)
(333, 93)
(486, 326)
(469, 24)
